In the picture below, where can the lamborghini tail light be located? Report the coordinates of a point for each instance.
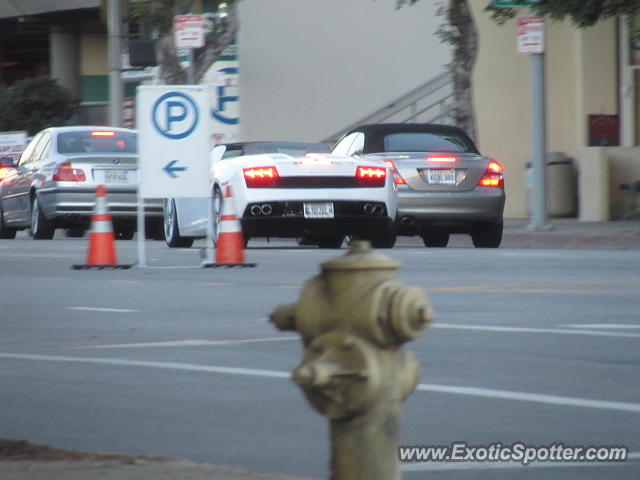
(492, 176)
(371, 176)
(261, 177)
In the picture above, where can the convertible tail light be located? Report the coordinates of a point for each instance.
(397, 178)
(441, 159)
(260, 177)
(492, 176)
(66, 173)
(371, 176)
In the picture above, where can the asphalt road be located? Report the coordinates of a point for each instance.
(533, 346)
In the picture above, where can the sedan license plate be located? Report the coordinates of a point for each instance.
(111, 176)
(318, 210)
(440, 176)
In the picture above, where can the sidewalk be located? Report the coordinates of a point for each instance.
(571, 233)
(25, 461)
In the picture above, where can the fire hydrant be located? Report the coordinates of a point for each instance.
(353, 319)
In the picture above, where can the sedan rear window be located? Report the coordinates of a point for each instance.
(107, 141)
(426, 142)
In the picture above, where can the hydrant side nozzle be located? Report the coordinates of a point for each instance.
(283, 317)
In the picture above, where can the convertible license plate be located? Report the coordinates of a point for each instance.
(112, 176)
(318, 210)
(439, 176)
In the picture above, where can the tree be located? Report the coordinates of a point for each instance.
(33, 104)
(158, 15)
(460, 32)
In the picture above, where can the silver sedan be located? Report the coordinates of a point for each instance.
(54, 183)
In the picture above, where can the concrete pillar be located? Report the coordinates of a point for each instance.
(63, 57)
(593, 184)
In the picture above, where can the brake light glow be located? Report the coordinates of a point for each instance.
(397, 178)
(66, 173)
(98, 133)
(5, 172)
(260, 177)
(371, 176)
(442, 159)
(492, 176)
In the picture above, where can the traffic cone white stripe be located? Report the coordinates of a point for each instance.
(101, 226)
(230, 227)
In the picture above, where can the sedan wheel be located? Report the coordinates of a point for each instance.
(170, 226)
(6, 232)
(487, 236)
(435, 239)
(41, 228)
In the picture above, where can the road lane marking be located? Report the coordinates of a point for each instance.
(431, 466)
(98, 309)
(559, 331)
(192, 343)
(601, 325)
(423, 387)
(526, 287)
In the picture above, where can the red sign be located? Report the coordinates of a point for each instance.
(604, 130)
(189, 31)
(531, 35)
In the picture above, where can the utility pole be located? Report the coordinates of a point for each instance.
(114, 26)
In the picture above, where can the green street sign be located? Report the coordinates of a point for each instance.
(514, 3)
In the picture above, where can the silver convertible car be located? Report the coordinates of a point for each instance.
(444, 184)
(54, 183)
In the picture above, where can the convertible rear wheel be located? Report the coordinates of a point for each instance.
(386, 239)
(41, 228)
(435, 238)
(170, 226)
(487, 235)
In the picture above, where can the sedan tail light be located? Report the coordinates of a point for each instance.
(371, 176)
(492, 176)
(66, 173)
(5, 172)
(397, 178)
(261, 177)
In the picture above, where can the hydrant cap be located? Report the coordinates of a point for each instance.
(361, 257)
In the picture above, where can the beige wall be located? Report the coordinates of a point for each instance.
(310, 68)
(581, 79)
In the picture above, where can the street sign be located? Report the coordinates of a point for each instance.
(12, 144)
(514, 3)
(174, 125)
(189, 31)
(531, 35)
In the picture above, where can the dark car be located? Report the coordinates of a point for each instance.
(444, 184)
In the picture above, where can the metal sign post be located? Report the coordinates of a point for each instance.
(174, 128)
(531, 41)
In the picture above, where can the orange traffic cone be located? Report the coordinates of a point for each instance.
(102, 246)
(230, 244)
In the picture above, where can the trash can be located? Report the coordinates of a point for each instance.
(562, 185)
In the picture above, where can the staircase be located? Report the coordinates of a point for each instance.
(428, 103)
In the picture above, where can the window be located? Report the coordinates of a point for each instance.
(426, 142)
(344, 145)
(27, 154)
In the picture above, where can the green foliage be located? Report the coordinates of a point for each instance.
(583, 13)
(33, 104)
